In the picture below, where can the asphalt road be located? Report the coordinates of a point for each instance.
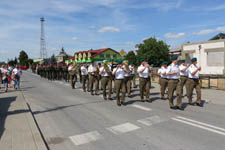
(73, 120)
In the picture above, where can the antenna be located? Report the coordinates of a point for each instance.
(43, 51)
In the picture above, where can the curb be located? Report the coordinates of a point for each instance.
(36, 131)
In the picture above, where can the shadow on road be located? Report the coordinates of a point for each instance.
(4, 106)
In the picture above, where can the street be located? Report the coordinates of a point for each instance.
(70, 119)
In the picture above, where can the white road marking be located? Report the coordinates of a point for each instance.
(86, 138)
(201, 123)
(199, 126)
(123, 128)
(141, 107)
(151, 120)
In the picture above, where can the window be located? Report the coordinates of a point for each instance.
(114, 56)
(107, 55)
(101, 55)
(215, 59)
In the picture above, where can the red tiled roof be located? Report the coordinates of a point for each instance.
(94, 52)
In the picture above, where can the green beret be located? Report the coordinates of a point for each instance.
(194, 59)
(164, 63)
(120, 62)
(182, 61)
(174, 58)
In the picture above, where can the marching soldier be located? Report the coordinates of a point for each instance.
(84, 73)
(98, 78)
(72, 69)
(119, 83)
(163, 79)
(144, 80)
(193, 82)
(92, 77)
(106, 80)
(133, 75)
(127, 77)
(173, 72)
(183, 75)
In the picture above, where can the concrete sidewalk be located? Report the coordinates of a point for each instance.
(18, 130)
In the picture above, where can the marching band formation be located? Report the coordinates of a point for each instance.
(120, 78)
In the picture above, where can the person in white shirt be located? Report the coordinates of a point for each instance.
(194, 82)
(119, 73)
(106, 80)
(133, 75)
(173, 73)
(92, 77)
(163, 79)
(144, 80)
(16, 75)
(5, 75)
(73, 69)
(84, 74)
(127, 77)
(183, 75)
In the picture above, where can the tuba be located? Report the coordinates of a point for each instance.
(106, 68)
(127, 68)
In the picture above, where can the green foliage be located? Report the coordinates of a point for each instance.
(23, 58)
(153, 50)
(131, 57)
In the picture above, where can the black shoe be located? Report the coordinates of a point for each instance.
(180, 108)
(110, 99)
(123, 103)
(118, 104)
(198, 104)
(129, 96)
(105, 98)
(191, 104)
(174, 108)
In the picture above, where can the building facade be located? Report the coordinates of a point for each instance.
(210, 55)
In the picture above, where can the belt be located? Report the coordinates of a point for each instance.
(184, 76)
(105, 76)
(174, 79)
(144, 78)
(118, 79)
(193, 78)
(164, 78)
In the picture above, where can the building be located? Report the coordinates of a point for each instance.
(210, 54)
(62, 56)
(175, 52)
(97, 55)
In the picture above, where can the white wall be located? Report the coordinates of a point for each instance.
(201, 55)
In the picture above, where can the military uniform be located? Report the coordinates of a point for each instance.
(84, 74)
(92, 78)
(163, 79)
(193, 82)
(105, 73)
(133, 76)
(144, 82)
(174, 84)
(120, 84)
(127, 78)
(98, 78)
(183, 76)
(72, 69)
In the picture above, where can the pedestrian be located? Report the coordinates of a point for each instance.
(106, 80)
(84, 74)
(5, 74)
(194, 82)
(92, 77)
(133, 75)
(16, 73)
(173, 73)
(98, 78)
(144, 80)
(163, 79)
(183, 75)
(119, 73)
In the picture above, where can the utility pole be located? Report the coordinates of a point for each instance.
(43, 50)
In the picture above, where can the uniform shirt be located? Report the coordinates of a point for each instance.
(91, 69)
(132, 70)
(126, 74)
(191, 69)
(85, 70)
(173, 68)
(104, 73)
(70, 67)
(185, 73)
(161, 71)
(119, 73)
(145, 73)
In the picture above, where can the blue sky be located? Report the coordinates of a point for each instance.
(118, 24)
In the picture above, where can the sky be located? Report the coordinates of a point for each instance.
(118, 24)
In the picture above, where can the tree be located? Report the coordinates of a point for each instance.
(53, 59)
(16, 60)
(23, 58)
(153, 50)
(131, 57)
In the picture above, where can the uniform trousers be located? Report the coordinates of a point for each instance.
(174, 84)
(191, 85)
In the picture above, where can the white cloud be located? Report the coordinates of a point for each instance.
(174, 35)
(92, 27)
(74, 38)
(109, 29)
(209, 31)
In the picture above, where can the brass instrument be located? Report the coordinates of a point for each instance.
(106, 68)
(127, 69)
